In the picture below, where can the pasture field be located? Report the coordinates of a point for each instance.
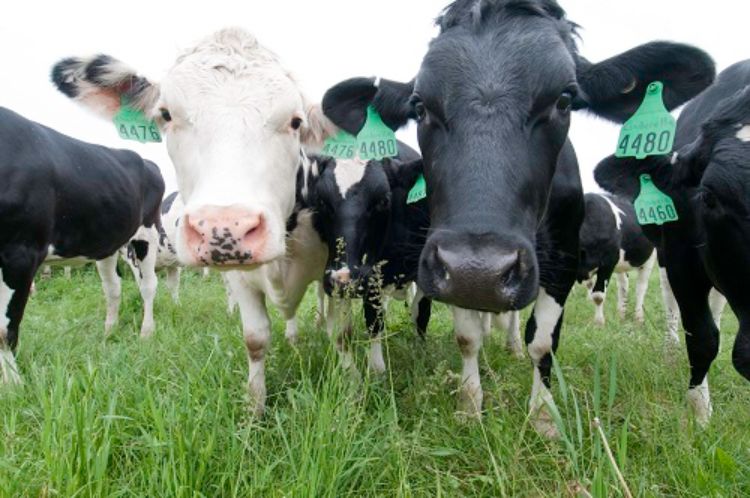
(120, 416)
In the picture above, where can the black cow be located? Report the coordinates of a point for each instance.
(66, 199)
(612, 242)
(374, 238)
(708, 178)
(493, 100)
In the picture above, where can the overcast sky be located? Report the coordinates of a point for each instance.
(321, 41)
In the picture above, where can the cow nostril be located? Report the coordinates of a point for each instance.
(192, 233)
(253, 228)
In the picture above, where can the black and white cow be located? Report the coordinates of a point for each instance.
(63, 199)
(612, 242)
(374, 239)
(708, 178)
(493, 100)
(235, 123)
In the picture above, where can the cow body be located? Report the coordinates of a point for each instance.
(612, 242)
(493, 99)
(707, 178)
(63, 199)
(235, 124)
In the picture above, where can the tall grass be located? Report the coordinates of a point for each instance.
(120, 416)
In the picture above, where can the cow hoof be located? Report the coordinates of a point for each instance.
(640, 319)
(470, 403)
(700, 404)
(9, 375)
(599, 321)
(147, 333)
(378, 368)
(544, 424)
(517, 351)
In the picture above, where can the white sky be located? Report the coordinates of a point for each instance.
(321, 41)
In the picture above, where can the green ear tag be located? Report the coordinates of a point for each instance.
(132, 124)
(650, 131)
(418, 191)
(375, 139)
(341, 146)
(653, 207)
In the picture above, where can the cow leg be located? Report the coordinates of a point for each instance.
(470, 327)
(542, 336)
(741, 350)
(173, 282)
(15, 286)
(256, 327)
(206, 272)
(701, 335)
(599, 292)
(147, 285)
(321, 309)
(291, 330)
(623, 288)
(375, 320)
(641, 286)
(421, 310)
(511, 323)
(107, 269)
(340, 328)
(231, 298)
(67, 272)
(671, 309)
(717, 302)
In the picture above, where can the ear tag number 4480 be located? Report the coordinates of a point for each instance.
(132, 124)
(374, 141)
(650, 131)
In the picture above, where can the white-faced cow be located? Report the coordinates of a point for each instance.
(61, 198)
(493, 100)
(708, 178)
(235, 122)
(612, 242)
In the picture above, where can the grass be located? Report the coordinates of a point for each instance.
(120, 416)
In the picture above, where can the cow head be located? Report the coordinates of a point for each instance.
(493, 101)
(709, 182)
(356, 202)
(234, 121)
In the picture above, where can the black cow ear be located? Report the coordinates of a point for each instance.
(690, 162)
(621, 176)
(614, 88)
(345, 104)
(403, 174)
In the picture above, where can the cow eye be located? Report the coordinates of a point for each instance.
(420, 111)
(565, 102)
(296, 123)
(164, 112)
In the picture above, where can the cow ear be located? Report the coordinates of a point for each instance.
(403, 174)
(621, 176)
(614, 88)
(346, 103)
(100, 82)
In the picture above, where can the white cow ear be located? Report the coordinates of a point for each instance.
(99, 83)
(317, 128)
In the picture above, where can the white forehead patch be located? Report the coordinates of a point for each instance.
(615, 211)
(744, 133)
(348, 172)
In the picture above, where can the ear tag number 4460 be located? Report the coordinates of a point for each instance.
(650, 131)
(132, 124)
(652, 206)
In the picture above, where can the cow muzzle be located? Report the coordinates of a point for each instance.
(480, 272)
(226, 236)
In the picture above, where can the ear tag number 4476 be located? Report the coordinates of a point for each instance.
(652, 206)
(132, 124)
(650, 131)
